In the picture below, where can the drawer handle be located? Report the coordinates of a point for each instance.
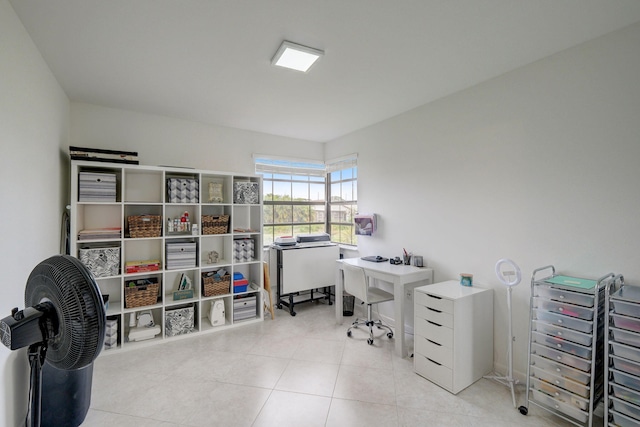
(559, 320)
(559, 334)
(433, 309)
(433, 342)
(559, 345)
(433, 296)
(433, 361)
(433, 323)
(560, 309)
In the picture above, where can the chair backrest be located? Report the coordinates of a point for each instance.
(355, 281)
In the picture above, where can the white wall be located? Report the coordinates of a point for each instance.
(34, 116)
(168, 141)
(539, 165)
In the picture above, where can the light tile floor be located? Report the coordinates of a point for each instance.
(298, 371)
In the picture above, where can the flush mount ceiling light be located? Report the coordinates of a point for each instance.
(295, 56)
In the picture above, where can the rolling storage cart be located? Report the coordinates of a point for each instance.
(622, 354)
(566, 343)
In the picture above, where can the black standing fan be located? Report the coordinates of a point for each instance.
(64, 325)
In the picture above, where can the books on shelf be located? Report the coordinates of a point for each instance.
(141, 266)
(100, 233)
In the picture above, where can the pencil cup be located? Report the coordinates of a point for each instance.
(407, 259)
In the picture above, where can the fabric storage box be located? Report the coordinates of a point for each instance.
(245, 192)
(96, 187)
(243, 250)
(179, 321)
(183, 190)
(244, 308)
(102, 262)
(181, 255)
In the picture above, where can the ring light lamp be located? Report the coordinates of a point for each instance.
(509, 277)
(505, 277)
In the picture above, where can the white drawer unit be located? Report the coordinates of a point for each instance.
(453, 334)
(622, 379)
(566, 343)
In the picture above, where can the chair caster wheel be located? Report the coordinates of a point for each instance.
(369, 341)
(523, 410)
(390, 335)
(348, 333)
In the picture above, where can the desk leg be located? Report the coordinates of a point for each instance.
(398, 301)
(339, 291)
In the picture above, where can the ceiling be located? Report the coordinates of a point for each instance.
(210, 60)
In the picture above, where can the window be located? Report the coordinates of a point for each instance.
(342, 183)
(295, 198)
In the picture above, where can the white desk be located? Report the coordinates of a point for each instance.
(402, 277)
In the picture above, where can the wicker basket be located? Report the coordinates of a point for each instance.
(141, 295)
(145, 226)
(215, 224)
(212, 286)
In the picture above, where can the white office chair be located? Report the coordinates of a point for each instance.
(356, 284)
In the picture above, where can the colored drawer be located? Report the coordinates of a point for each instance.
(560, 394)
(626, 337)
(560, 332)
(562, 320)
(623, 420)
(562, 357)
(569, 410)
(561, 369)
(565, 383)
(625, 408)
(626, 351)
(626, 322)
(562, 345)
(625, 393)
(571, 310)
(625, 379)
(626, 308)
(626, 365)
(562, 295)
